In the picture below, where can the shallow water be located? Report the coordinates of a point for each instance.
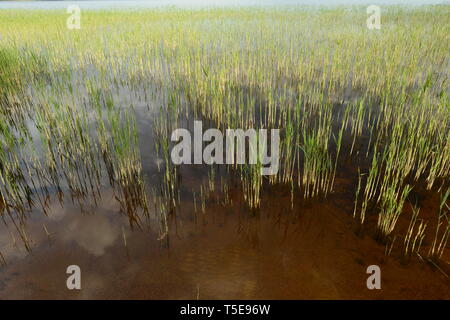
(310, 251)
(139, 4)
(309, 254)
(289, 248)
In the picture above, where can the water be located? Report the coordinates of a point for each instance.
(304, 250)
(310, 253)
(289, 249)
(107, 4)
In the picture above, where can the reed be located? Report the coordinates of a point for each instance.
(343, 97)
(441, 238)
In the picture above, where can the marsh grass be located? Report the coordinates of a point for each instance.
(339, 93)
(443, 223)
(415, 234)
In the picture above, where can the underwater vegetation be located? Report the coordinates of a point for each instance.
(74, 106)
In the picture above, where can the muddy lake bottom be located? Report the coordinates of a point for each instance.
(88, 178)
(305, 250)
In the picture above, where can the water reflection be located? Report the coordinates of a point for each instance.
(87, 176)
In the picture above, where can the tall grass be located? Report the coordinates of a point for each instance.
(339, 93)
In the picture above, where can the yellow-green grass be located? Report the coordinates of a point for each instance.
(334, 87)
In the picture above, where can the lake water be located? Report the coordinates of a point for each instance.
(293, 248)
(198, 3)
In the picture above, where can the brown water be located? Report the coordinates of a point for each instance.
(288, 249)
(310, 251)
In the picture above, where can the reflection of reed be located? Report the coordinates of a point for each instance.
(3, 259)
(68, 109)
(443, 220)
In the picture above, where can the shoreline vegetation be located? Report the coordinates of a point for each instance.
(343, 96)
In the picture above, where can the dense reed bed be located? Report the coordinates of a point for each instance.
(343, 96)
